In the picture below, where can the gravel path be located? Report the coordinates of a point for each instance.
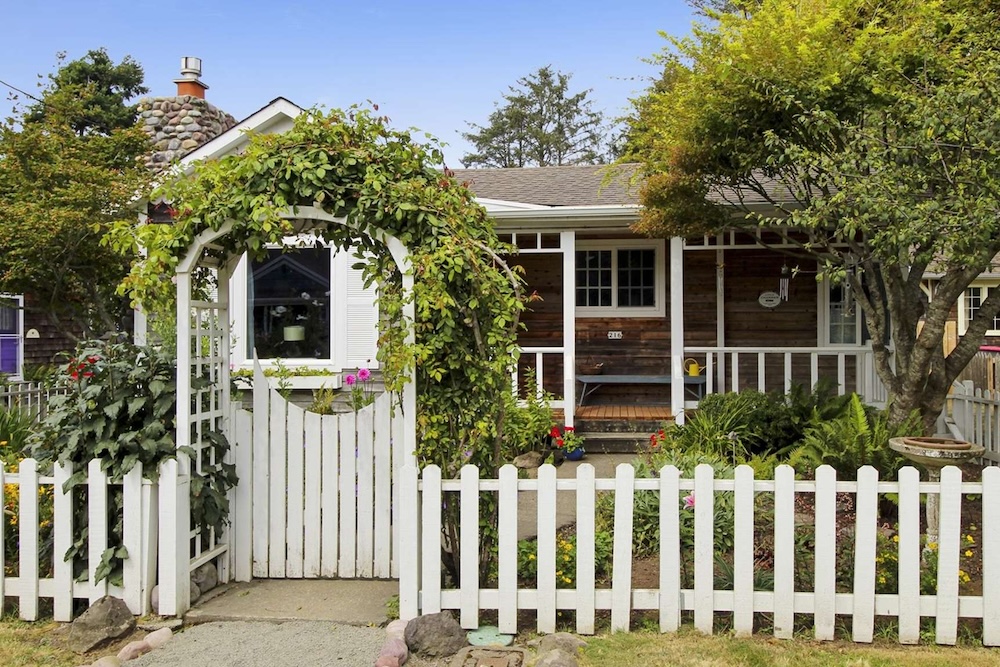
(265, 644)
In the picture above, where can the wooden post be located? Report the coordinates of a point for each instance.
(567, 243)
(677, 328)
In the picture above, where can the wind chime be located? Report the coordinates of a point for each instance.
(786, 275)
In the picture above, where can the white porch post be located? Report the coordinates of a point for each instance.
(677, 328)
(567, 243)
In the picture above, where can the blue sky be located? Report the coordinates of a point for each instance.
(432, 65)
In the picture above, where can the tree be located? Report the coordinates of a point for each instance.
(539, 124)
(880, 122)
(109, 87)
(64, 179)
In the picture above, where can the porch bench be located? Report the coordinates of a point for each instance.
(694, 385)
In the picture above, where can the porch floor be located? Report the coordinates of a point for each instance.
(633, 412)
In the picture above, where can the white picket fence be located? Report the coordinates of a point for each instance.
(316, 496)
(421, 581)
(975, 416)
(31, 584)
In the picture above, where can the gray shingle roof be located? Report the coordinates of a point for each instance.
(576, 185)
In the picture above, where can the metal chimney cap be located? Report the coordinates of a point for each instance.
(190, 67)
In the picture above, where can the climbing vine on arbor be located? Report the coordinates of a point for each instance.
(353, 165)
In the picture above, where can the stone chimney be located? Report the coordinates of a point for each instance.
(178, 125)
(190, 82)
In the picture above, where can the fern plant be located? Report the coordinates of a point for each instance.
(858, 438)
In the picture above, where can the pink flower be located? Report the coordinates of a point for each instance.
(350, 380)
(689, 502)
(364, 374)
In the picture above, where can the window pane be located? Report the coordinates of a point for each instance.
(8, 318)
(8, 355)
(593, 278)
(637, 278)
(843, 317)
(289, 298)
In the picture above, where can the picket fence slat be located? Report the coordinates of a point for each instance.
(546, 559)
(399, 460)
(743, 569)
(621, 575)
(132, 538)
(430, 524)
(3, 548)
(949, 505)
(28, 539)
(366, 492)
(382, 489)
(865, 531)
(348, 494)
(586, 501)
(278, 479)
(244, 501)
(261, 475)
(295, 493)
(409, 531)
(469, 539)
(704, 548)
(991, 556)
(330, 492)
(784, 551)
(313, 446)
(825, 569)
(909, 556)
(62, 540)
(507, 547)
(670, 560)
(97, 527)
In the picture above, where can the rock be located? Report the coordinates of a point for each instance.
(108, 661)
(133, 650)
(529, 460)
(435, 635)
(556, 658)
(206, 577)
(563, 641)
(395, 648)
(107, 619)
(195, 592)
(158, 638)
(154, 599)
(396, 629)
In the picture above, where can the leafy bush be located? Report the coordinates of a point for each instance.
(859, 437)
(527, 422)
(15, 427)
(527, 558)
(119, 407)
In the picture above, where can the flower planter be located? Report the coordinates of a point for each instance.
(575, 455)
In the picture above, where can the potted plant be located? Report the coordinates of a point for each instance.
(567, 442)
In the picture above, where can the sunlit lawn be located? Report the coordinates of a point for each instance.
(27, 644)
(690, 649)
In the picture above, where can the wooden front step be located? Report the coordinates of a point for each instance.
(619, 428)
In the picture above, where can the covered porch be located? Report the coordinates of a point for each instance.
(724, 313)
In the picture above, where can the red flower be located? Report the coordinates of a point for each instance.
(569, 428)
(74, 375)
(559, 442)
(555, 432)
(88, 374)
(93, 360)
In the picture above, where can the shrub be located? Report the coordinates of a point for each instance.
(15, 427)
(527, 558)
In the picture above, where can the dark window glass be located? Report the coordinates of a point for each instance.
(289, 302)
(637, 278)
(593, 278)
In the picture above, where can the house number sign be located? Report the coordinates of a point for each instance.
(769, 299)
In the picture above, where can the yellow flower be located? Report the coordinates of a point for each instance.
(531, 556)
(968, 538)
(932, 545)
(895, 538)
(968, 553)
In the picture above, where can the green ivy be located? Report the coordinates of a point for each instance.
(352, 165)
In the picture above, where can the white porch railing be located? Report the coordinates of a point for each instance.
(422, 590)
(31, 398)
(734, 368)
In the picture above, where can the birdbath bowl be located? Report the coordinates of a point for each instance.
(933, 454)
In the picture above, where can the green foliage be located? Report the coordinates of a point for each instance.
(858, 438)
(353, 166)
(539, 124)
(15, 428)
(527, 558)
(63, 184)
(107, 87)
(527, 422)
(871, 130)
(323, 401)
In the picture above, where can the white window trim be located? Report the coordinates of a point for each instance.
(19, 300)
(242, 357)
(659, 246)
(823, 318)
(963, 322)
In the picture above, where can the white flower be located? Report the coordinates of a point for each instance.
(305, 296)
(299, 318)
(279, 310)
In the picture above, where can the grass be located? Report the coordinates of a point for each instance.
(691, 649)
(27, 644)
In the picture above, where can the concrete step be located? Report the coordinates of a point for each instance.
(614, 443)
